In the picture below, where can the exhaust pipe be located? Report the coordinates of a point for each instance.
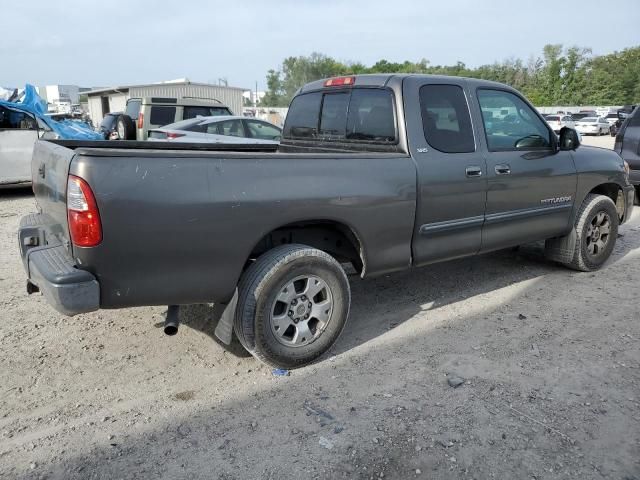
(172, 322)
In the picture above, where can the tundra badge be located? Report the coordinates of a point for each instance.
(554, 200)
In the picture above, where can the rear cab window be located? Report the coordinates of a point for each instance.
(345, 116)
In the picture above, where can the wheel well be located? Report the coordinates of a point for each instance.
(614, 192)
(334, 238)
(608, 189)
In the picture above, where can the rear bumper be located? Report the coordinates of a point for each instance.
(52, 270)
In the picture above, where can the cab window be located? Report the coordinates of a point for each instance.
(519, 129)
(445, 118)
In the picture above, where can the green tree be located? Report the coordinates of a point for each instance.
(560, 76)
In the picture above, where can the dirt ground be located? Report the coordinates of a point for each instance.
(550, 359)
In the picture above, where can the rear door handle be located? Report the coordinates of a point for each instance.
(473, 171)
(503, 169)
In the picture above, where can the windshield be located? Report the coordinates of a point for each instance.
(589, 120)
(553, 118)
(133, 108)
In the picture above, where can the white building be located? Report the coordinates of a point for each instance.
(60, 97)
(114, 99)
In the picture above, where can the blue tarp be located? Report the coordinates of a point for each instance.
(65, 129)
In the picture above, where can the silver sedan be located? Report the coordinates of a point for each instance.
(593, 126)
(218, 129)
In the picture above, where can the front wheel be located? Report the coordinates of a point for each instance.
(596, 230)
(293, 303)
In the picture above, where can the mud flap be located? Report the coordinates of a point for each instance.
(561, 249)
(224, 330)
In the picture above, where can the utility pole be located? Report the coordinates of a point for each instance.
(255, 102)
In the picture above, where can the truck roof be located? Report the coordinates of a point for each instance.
(386, 79)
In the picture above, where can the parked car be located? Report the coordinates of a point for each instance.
(623, 114)
(558, 122)
(385, 172)
(593, 126)
(144, 114)
(23, 120)
(627, 144)
(19, 131)
(224, 129)
(611, 118)
(109, 126)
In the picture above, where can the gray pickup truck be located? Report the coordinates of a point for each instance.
(383, 172)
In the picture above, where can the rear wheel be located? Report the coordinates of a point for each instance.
(293, 302)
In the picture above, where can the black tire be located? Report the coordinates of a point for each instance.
(267, 279)
(583, 258)
(126, 128)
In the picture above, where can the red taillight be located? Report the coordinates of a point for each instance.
(82, 211)
(340, 81)
(171, 135)
(140, 120)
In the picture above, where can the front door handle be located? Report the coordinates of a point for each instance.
(473, 171)
(503, 169)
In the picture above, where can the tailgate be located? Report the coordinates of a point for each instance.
(49, 171)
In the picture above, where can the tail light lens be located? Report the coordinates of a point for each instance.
(172, 135)
(140, 120)
(85, 228)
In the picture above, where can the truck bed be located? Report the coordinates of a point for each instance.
(179, 223)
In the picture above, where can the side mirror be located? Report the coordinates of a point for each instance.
(569, 139)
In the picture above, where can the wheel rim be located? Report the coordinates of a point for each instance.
(598, 234)
(121, 131)
(301, 311)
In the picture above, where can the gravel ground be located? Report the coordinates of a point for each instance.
(550, 361)
(605, 141)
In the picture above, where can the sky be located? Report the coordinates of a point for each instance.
(90, 43)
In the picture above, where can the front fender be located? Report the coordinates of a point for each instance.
(598, 168)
